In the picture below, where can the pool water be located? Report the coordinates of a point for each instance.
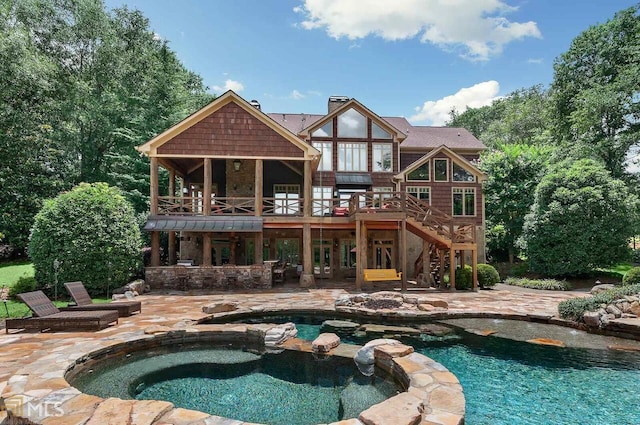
(282, 387)
(517, 383)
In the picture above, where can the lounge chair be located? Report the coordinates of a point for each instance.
(47, 316)
(84, 302)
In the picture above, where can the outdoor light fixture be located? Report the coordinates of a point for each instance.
(185, 190)
(236, 164)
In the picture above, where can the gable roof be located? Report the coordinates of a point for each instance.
(454, 156)
(424, 137)
(150, 148)
(353, 103)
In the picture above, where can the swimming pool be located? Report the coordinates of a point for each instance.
(515, 382)
(280, 387)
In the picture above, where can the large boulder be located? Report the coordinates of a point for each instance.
(340, 327)
(325, 342)
(365, 357)
(221, 307)
(279, 334)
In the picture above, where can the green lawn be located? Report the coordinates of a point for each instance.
(10, 272)
(620, 269)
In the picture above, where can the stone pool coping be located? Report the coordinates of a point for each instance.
(433, 394)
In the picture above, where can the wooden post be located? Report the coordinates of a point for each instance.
(403, 255)
(308, 197)
(426, 261)
(154, 192)
(257, 248)
(155, 249)
(206, 249)
(206, 190)
(441, 270)
(258, 191)
(474, 266)
(172, 235)
(307, 279)
(452, 269)
(359, 271)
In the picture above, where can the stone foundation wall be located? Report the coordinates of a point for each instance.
(224, 277)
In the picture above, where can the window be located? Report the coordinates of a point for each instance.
(326, 148)
(322, 200)
(346, 194)
(460, 174)
(352, 157)
(464, 201)
(288, 251)
(324, 131)
(347, 253)
(380, 194)
(378, 133)
(352, 123)
(420, 173)
(440, 170)
(382, 157)
(287, 198)
(422, 193)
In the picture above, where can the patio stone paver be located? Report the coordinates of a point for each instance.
(32, 364)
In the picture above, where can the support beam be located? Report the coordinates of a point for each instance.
(474, 266)
(426, 262)
(154, 192)
(403, 254)
(258, 183)
(172, 248)
(361, 252)
(257, 248)
(206, 249)
(452, 269)
(307, 279)
(155, 249)
(441, 269)
(172, 235)
(308, 197)
(206, 190)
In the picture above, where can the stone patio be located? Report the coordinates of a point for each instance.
(32, 365)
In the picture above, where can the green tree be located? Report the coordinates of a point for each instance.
(595, 92)
(80, 87)
(514, 171)
(520, 117)
(30, 163)
(579, 220)
(93, 234)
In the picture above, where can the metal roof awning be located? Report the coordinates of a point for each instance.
(353, 179)
(203, 224)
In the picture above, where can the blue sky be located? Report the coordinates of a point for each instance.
(412, 58)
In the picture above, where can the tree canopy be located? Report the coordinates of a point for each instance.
(80, 87)
(579, 220)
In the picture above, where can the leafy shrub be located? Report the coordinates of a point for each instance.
(487, 275)
(23, 284)
(632, 277)
(93, 234)
(574, 308)
(579, 221)
(464, 277)
(519, 269)
(635, 256)
(548, 284)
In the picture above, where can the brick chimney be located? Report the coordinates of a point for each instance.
(336, 101)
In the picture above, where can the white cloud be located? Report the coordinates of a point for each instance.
(157, 37)
(535, 60)
(436, 112)
(477, 27)
(296, 95)
(234, 85)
